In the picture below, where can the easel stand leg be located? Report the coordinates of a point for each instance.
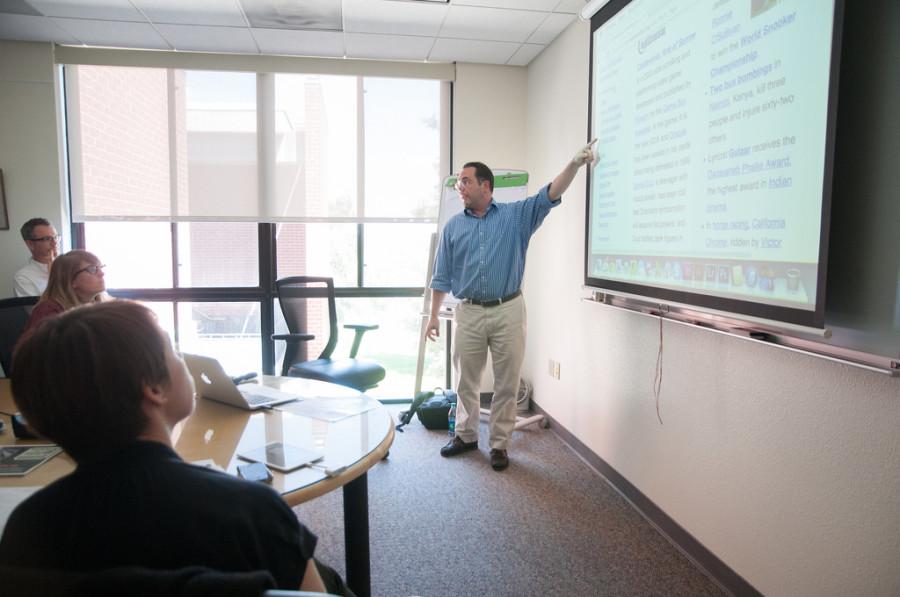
(520, 420)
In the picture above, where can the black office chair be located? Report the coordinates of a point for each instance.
(296, 295)
(13, 316)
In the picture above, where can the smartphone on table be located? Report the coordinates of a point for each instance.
(281, 457)
(254, 471)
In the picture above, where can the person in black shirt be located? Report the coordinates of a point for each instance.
(104, 382)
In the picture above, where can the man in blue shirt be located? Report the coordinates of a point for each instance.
(481, 260)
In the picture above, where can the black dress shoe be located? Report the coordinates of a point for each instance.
(458, 446)
(499, 459)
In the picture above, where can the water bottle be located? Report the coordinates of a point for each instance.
(451, 419)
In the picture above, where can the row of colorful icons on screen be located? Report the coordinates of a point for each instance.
(761, 277)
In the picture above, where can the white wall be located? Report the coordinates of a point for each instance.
(783, 465)
(489, 115)
(29, 153)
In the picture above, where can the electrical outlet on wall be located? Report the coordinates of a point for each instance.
(553, 369)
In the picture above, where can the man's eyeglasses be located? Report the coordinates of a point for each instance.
(46, 239)
(464, 182)
(91, 269)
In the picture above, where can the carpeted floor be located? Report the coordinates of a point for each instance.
(548, 525)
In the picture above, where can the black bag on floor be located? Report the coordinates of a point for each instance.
(407, 415)
(433, 409)
(434, 412)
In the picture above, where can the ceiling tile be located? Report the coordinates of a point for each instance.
(290, 14)
(28, 28)
(393, 16)
(299, 43)
(387, 47)
(552, 26)
(466, 50)
(104, 10)
(570, 6)
(222, 13)
(116, 34)
(544, 5)
(379, 29)
(469, 22)
(525, 54)
(196, 38)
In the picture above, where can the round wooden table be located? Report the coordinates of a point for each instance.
(322, 421)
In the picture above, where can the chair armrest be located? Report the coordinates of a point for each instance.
(293, 338)
(359, 326)
(359, 330)
(292, 348)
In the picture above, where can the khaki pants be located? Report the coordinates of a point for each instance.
(502, 329)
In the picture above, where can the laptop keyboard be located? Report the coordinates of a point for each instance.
(255, 400)
(255, 395)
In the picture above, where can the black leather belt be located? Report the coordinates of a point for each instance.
(494, 302)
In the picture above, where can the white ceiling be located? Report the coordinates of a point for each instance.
(487, 31)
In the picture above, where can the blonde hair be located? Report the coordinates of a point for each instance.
(62, 273)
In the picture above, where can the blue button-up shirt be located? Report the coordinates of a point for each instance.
(484, 258)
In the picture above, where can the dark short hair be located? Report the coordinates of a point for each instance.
(79, 378)
(28, 227)
(482, 173)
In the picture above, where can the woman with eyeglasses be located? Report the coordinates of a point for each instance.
(76, 278)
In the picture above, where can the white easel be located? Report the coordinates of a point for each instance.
(509, 185)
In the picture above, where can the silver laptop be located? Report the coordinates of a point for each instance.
(211, 382)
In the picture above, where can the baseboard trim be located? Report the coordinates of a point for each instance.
(703, 558)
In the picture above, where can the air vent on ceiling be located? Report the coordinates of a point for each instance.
(289, 14)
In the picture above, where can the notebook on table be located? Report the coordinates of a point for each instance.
(211, 382)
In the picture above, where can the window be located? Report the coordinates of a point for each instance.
(139, 254)
(181, 145)
(215, 143)
(402, 130)
(228, 331)
(316, 145)
(200, 188)
(214, 254)
(307, 249)
(396, 254)
(136, 254)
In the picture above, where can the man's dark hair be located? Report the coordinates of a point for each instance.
(482, 173)
(28, 227)
(79, 378)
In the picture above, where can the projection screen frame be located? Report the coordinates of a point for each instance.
(814, 318)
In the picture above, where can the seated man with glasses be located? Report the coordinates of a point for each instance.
(76, 278)
(42, 240)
